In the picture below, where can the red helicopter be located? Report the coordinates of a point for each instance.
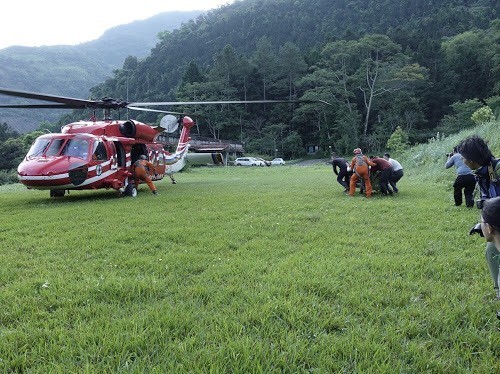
(100, 154)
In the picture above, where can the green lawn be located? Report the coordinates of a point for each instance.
(245, 270)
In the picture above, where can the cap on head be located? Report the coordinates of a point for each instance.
(357, 151)
(143, 157)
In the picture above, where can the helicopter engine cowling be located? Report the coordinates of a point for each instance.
(138, 130)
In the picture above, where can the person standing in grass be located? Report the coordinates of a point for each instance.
(477, 156)
(490, 224)
(360, 167)
(465, 179)
(342, 170)
(397, 172)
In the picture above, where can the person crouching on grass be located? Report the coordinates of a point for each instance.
(490, 226)
(342, 170)
(142, 169)
(385, 168)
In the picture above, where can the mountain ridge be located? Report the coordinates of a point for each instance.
(71, 70)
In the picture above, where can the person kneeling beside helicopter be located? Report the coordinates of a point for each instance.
(142, 167)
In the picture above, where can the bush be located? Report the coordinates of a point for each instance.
(8, 177)
(398, 142)
(461, 117)
(482, 115)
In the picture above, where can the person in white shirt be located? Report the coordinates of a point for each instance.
(397, 173)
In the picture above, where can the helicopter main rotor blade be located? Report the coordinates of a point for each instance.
(67, 102)
(35, 106)
(155, 110)
(70, 102)
(110, 103)
(178, 103)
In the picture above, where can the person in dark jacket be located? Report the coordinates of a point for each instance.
(486, 168)
(385, 169)
(342, 170)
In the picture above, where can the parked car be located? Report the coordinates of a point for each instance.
(266, 162)
(278, 161)
(248, 161)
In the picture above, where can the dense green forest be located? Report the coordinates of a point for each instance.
(406, 67)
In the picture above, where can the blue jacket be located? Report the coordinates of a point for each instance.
(456, 160)
(489, 184)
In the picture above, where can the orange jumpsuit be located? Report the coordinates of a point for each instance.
(361, 171)
(141, 168)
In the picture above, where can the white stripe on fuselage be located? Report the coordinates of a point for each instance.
(55, 178)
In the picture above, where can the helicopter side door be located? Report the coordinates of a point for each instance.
(120, 155)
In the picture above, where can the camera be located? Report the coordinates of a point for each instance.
(480, 203)
(476, 230)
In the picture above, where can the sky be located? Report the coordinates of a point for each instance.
(34, 23)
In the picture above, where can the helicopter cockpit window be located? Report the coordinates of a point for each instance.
(76, 148)
(54, 147)
(38, 148)
(99, 152)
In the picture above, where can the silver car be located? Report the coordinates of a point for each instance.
(248, 161)
(278, 161)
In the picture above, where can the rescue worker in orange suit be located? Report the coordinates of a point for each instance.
(360, 167)
(142, 168)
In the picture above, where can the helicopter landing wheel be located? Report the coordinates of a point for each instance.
(57, 193)
(130, 190)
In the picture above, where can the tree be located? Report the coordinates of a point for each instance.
(383, 71)
(482, 115)
(11, 153)
(292, 145)
(7, 132)
(192, 74)
(265, 60)
(292, 66)
(471, 57)
(398, 141)
(461, 118)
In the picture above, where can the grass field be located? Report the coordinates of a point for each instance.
(245, 270)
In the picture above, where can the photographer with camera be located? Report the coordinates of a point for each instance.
(464, 181)
(486, 168)
(490, 224)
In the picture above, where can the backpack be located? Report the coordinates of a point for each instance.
(360, 161)
(494, 177)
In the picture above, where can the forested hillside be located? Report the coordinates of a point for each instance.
(72, 70)
(405, 67)
(382, 65)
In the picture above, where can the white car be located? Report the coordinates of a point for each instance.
(248, 161)
(267, 163)
(278, 161)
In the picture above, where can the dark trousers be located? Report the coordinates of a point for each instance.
(385, 177)
(396, 176)
(466, 183)
(343, 178)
